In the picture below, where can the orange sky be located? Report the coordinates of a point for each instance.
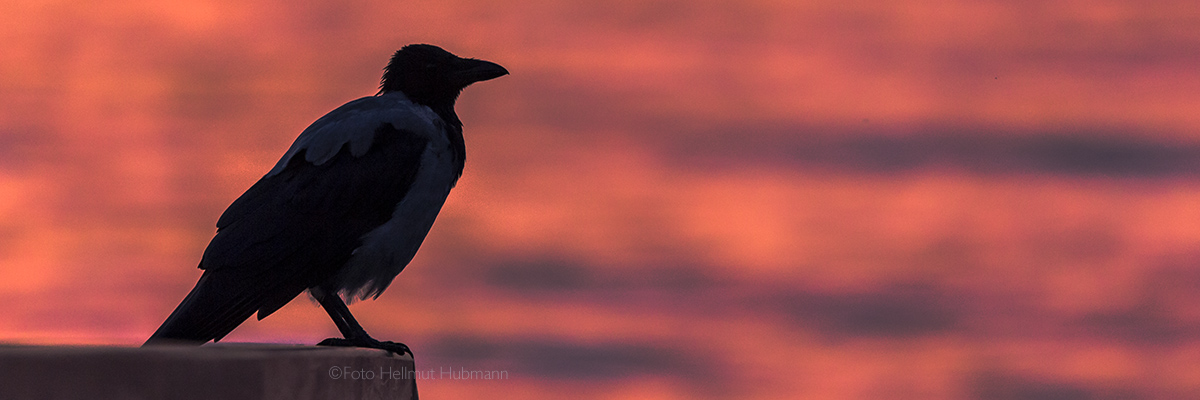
(665, 199)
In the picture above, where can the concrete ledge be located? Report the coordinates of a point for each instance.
(214, 371)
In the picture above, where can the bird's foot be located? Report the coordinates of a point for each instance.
(368, 342)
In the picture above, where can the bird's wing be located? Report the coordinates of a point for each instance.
(298, 224)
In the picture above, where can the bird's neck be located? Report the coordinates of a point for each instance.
(454, 133)
(446, 112)
(444, 108)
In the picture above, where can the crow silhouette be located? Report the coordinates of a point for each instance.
(344, 210)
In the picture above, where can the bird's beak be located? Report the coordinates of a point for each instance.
(471, 70)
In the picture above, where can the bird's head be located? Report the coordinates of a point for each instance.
(428, 75)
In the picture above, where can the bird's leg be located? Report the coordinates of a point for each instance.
(343, 326)
(337, 310)
(355, 335)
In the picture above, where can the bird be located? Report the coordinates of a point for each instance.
(343, 211)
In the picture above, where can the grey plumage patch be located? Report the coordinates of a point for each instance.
(355, 123)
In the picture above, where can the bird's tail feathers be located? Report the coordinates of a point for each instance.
(209, 312)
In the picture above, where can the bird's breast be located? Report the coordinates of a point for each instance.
(387, 249)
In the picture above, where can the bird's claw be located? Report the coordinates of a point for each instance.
(390, 347)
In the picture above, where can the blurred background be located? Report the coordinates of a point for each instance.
(666, 199)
